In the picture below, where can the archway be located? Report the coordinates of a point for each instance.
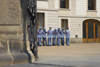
(91, 31)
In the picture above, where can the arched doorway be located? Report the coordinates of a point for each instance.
(91, 31)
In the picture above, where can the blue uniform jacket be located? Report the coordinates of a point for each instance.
(44, 33)
(39, 33)
(50, 33)
(58, 33)
(67, 33)
(54, 34)
(62, 34)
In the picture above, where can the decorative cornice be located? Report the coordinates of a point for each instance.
(81, 17)
(47, 9)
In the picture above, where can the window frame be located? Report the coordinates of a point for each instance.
(38, 20)
(67, 5)
(62, 23)
(42, 0)
(94, 7)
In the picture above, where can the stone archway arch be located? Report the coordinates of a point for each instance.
(91, 30)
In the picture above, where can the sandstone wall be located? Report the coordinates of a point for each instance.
(14, 45)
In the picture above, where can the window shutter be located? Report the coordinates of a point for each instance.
(94, 4)
(37, 21)
(60, 4)
(62, 23)
(67, 4)
(43, 20)
(66, 23)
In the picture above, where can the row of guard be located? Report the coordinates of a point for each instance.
(53, 34)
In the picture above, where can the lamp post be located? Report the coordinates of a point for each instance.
(32, 16)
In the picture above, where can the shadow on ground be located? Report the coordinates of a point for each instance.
(53, 65)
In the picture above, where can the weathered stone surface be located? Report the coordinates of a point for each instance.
(10, 12)
(6, 59)
(3, 10)
(19, 52)
(9, 29)
(13, 11)
(5, 56)
(14, 46)
(12, 36)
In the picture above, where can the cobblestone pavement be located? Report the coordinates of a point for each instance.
(75, 55)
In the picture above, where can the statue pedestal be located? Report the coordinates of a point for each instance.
(14, 44)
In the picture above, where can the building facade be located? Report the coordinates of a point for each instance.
(81, 16)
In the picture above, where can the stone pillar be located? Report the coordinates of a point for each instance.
(14, 44)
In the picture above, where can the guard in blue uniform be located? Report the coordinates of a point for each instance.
(58, 36)
(67, 34)
(39, 34)
(62, 36)
(44, 37)
(49, 34)
(54, 36)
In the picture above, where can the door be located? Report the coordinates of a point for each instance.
(91, 31)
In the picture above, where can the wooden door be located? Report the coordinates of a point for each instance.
(97, 31)
(91, 31)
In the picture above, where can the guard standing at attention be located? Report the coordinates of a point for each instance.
(62, 36)
(67, 34)
(39, 34)
(54, 36)
(58, 37)
(49, 34)
(44, 37)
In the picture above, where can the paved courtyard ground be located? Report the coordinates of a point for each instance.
(75, 55)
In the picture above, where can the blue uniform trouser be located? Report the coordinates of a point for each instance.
(39, 39)
(54, 41)
(44, 40)
(62, 41)
(49, 41)
(58, 41)
(67, 41)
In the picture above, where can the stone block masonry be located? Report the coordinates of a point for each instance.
(14, 45)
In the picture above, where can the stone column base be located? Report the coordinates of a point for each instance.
(13, 52)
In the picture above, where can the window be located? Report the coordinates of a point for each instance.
(91, 4)
(64, 23)
(40, 20)
(64, 4)
(42, 0)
